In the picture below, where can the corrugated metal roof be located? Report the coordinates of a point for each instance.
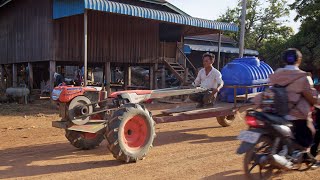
(223, 49)
(120, 8)
(211, 38)
(169, 5)
(64, 8)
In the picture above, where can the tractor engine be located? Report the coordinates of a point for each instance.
(75, 101)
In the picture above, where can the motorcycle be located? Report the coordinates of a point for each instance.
(269, 145)
(316, 119)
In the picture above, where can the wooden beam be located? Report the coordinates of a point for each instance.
(52, 70)
(14, 75)
(107, 76)
(85, 47)
(30, 68)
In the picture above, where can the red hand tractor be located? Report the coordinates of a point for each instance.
(89, 116)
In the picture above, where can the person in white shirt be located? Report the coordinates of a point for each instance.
(209, 78)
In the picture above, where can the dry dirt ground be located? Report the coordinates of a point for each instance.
(200, 149)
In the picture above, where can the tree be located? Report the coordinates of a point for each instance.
(263, 21)
(308, 38)
(306, 9)
(264, 26)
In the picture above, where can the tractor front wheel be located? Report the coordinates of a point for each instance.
(226, 121)
(130, 133)
(83, 140)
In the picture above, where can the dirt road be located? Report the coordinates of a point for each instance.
(31, 149)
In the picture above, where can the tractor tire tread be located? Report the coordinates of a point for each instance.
(112, 135)
(77, 140)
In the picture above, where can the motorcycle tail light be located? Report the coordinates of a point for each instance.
(253, 121)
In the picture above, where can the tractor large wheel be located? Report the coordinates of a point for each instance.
(130, 133)
(226, 121)
(83, 140)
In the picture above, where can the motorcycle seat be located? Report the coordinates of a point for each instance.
(277, 119)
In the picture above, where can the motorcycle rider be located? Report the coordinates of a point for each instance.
(300, 91)
(316, 142)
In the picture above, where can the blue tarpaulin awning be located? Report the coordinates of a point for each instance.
(65, 8)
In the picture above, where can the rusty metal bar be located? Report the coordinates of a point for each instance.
(235, 87)
(201, 115)
(240, 86)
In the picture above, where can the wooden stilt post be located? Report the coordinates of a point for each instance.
(85, 47)
(127, 76)
(151, 76)
(30, 77)
(219, 50)
(163, 77)
(2, 84)
(14, 75)
(186, 72)
(52, 70)
(107, 76)
(155, 76)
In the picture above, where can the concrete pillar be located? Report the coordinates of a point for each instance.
(14, 75)
(30, 75)
(52, 70)
(127, 76)
(151, 76)
(107, 76)
(2, 83)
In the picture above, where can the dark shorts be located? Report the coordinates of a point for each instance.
(203, 98)
(302, 133)
(316, 141)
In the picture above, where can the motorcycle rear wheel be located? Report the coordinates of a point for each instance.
(252, 168)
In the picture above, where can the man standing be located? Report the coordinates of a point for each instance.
(209, 78)
(58, 79)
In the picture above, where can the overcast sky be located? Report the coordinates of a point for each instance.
(212, 9)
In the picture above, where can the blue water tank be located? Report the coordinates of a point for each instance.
(244, 71)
